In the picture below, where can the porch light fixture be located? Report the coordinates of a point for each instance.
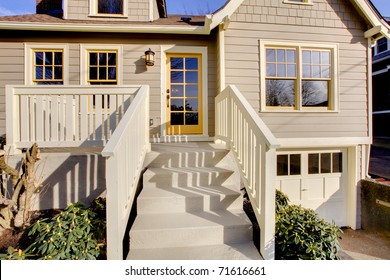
(149, 57)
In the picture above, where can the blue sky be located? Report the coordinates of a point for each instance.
(14, 7)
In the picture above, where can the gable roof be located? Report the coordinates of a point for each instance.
(172, 24)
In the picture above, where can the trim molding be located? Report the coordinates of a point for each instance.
(323, 142)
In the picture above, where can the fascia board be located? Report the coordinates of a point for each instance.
(225, 13)
(106, 28)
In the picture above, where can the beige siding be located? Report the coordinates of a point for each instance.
(327, 22)
(138, 10)
(11, 72)
(134, 69)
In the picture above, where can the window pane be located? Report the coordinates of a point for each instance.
(282, 165)
(112, 59)
(177, 105)
(110, 7)
(192, 63)
(192, 119)
(192, 105)
(93, 73)
(337, 162)
(325, 72)
(295, 164)
(39, 73)
(177, 91)
(306, 71)
(325, 57)
(281, 70)
(102, 73)
(314, 167)
(58, 73)
(102, 59)
(58, 58)
(48, 58)
(112, 73)
(48, 73)
(280, 56)
(271, 70)
(325, 163)
(177, 77)
(191, 91)
(315, 55)
(306, 57)
(316, 71)
(270, 53)
(315, 93)
(177, 118)
(177, 63)
(39, 58)
(291, 56)
(280, 92)
(93, 59)
(291, 70)
(191, 77)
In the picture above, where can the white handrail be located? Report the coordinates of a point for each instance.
(254, 147)
(125, 153)
(64, 116)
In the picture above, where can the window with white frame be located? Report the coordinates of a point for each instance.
(298, 77)
(46, 64)
(382, 45)
(108, 7)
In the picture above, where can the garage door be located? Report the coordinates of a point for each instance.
(316, 180)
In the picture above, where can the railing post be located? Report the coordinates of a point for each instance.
(147, 118)
(12, 118)
(267, 238)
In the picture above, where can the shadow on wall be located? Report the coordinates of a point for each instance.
(65, 177)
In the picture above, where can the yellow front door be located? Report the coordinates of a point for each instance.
(184, 94)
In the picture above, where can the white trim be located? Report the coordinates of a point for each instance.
(185, 50)
(369, 89)
(93, 10)
(151, 10)
(221, 48)
(65, 9)
(323, 142)
(84, 48)
(306, 3)
(333, 99)
(28, 60)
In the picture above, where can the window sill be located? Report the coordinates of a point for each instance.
(108, 16)
(298, 3)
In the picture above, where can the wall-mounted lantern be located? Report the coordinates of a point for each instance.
(149, 57)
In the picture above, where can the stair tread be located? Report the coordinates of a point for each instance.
(239, 251)
(202, 219)
(184, 192)
(185, 170)
(187, 147)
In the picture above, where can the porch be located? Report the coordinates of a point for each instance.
(111, 117)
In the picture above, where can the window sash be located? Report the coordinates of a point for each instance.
(110, 7)
(311, 88)
(102, 67)
(48, 66)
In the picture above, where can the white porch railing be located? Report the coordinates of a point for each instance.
(125, 153)
(253, 145)
(64, 116)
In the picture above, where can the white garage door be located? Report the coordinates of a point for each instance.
(316, 180)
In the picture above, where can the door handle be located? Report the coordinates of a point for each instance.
(168, 100)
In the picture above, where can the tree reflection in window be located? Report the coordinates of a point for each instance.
(48, 67)
(113, 7)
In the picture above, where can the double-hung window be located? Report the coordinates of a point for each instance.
(298, 77)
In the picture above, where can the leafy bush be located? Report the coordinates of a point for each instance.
(15, 254)
(301, 234)
(70, 235)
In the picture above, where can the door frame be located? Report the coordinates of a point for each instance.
(170, 49)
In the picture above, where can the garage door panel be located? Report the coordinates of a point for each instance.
(314, 188)
(292, 188)
(333, 188)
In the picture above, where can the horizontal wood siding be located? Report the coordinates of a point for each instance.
(11, 72)
(327, 22)
(138, 10)
(134, 70)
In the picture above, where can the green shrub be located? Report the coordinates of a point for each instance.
(70, 235)
(301, 234)
(16, 254)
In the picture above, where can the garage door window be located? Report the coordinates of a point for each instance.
(322, 163)
(289, 164)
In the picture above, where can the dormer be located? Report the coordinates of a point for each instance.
(105, 10)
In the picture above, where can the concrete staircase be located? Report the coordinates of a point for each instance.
(191, 206)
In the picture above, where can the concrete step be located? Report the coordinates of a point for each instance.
(185, 155)
(188, 199)
(188, 177)
(190, 229)
(239, 251)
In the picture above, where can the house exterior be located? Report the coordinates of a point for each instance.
(303, 67)
(381, 94)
